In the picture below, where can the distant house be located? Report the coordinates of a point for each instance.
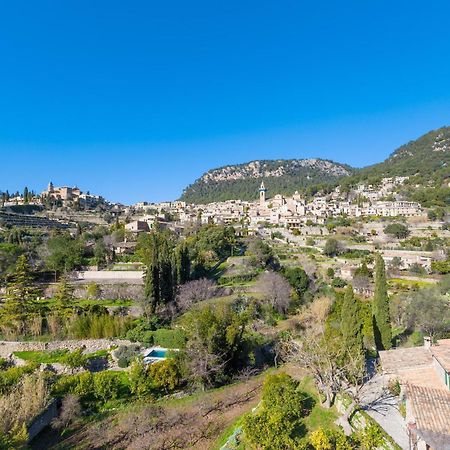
(137, 226)
(122, 248)
(409, 258)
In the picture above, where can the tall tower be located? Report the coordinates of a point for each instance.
(262, 194)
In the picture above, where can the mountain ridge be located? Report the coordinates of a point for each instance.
(426, 158)
(243, 180)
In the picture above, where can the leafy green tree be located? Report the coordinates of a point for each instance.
(215, 342)
(261, 253)
(278, 422)
(352, 322)
(8, 256)
(140, 383)
(381, 315)
(331, 247)
(428, 311)
(157, 252)
(165, 376)
(166, 281)
(442, 267)
(363, 271)
(298, 279)
(25, 195)
(64, 295)
(101, 252)
(215, 239)
(65, 253)
(397, 230)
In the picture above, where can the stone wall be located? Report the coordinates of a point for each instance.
(91, 345)
(135, 276)
(43, 420)
(122, 291)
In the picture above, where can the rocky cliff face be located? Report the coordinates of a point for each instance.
(241, 181)
(265, 169)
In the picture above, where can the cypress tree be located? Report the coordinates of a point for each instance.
(166, 284)
(381, 316)
(182, 263)
(151, 282)
(25, 195)
(351, 322)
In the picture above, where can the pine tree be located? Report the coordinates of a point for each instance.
(64, 294)
(381, 316)
(21, 296)
(352, 322)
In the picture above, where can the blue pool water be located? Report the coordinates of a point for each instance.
(157, 354)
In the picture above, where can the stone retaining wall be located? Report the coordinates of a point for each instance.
(91, 345)
(122, 291)
(43, 420)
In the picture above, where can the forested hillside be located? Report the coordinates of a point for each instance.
(427, 157)
(426, 160)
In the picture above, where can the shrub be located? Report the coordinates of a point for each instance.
(442, 267)
(11, 377)
(93, 326)
(125, 354)
(338, 282)
(81, 384)
(394, 387)
(106, 385)
(93, 291)
(155, 379)
(169, 338)
(75, 359)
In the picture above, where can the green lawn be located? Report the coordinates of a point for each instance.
(43, 357)
(410, 283)
(53, 356)
(319, 416)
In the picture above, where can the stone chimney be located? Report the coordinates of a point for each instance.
(427, 341)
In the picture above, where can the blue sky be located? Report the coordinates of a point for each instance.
(134, 100)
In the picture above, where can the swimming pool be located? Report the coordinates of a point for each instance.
(157, 354)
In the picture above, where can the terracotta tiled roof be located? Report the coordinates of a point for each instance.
(442, 353)
(430, 409)
(405, 358)
(422, 376)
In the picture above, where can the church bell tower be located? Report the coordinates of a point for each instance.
(262, 194)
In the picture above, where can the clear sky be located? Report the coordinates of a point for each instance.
(133, 100)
